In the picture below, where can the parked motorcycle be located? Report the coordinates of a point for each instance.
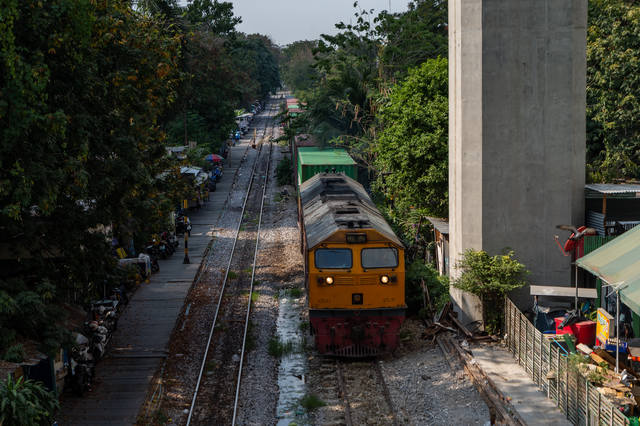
(183, 224)
(153, 254)
(171, 239)
(81, 366)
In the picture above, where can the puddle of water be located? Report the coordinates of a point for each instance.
(293, 366)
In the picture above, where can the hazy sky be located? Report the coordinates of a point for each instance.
(290, 20)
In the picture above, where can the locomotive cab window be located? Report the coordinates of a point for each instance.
(379, 257)
(330, 258)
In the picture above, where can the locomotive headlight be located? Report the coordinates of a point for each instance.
(385, 279)
(328, 280)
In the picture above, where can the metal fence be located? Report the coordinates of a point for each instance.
(548, 367)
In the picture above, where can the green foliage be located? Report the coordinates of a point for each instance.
(413, 37)
(284, 171)
(438, 286)
(490, 278)
(482, 274)
(412, 150)
(294, 293)
(297, 65)
(26, 403)
(577, 362)
(613, 90)
(278, 348)
(14, 353)
(311, 402)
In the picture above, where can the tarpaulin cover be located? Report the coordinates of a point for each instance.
(618, 264)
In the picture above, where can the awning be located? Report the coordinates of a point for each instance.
(618, 264)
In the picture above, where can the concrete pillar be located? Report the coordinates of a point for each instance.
(517, 76)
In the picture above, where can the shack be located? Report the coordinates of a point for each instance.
(441, 238)
(612, 209)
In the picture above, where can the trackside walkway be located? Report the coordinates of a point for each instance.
(140, 343)
(510, 378)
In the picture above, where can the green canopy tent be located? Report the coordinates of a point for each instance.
(617, 263)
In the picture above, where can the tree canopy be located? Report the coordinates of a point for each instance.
(613, 90)
(411, 151)
(88, 92)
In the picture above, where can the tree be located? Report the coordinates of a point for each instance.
(213, 16)
(490, 278)
(413, 37)
(613, 90)
(411, 152)
(297, 66)
(82, 86)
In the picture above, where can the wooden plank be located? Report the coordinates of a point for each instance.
(461, 326)
(558, 291)
(584, 348)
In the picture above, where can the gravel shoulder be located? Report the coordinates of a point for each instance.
(424, 389)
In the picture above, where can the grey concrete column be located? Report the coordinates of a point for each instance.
(517, 75)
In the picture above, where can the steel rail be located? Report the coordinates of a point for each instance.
(253, 273)
(385, 390)
(342, 384)
(224, 283)
(343, 391)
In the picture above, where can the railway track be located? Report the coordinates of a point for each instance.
(359, 393)
(215, 399)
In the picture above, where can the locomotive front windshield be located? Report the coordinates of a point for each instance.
(379, 257)
(334, 258)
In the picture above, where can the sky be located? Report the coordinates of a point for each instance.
(286, 21)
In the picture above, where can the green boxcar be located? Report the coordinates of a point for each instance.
(313, 160)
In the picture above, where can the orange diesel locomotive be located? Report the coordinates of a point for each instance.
(354, 268)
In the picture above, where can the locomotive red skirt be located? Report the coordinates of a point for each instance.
(356, 333)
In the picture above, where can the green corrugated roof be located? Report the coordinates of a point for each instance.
(313, 155)
(618, 263)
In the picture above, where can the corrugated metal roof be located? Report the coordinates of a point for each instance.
(310, 155)
(618, 263)
(613, 188)
(442, 225)
(331, 203)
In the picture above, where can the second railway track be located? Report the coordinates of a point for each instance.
(215, 398)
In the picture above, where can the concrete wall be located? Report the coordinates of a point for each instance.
(517, 129)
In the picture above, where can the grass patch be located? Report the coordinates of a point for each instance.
(278, 348)
(232, 275)
(247, 270)
(255, 296)
(251, 339)
(294, 292)
(304, 326)
(210, 366)
(311, 402)
(160, 417)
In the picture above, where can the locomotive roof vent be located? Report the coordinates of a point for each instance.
(347, 210)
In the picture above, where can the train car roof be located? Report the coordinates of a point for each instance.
(315, 155)
(332, 202)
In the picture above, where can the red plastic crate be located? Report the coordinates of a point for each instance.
(585, 331)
